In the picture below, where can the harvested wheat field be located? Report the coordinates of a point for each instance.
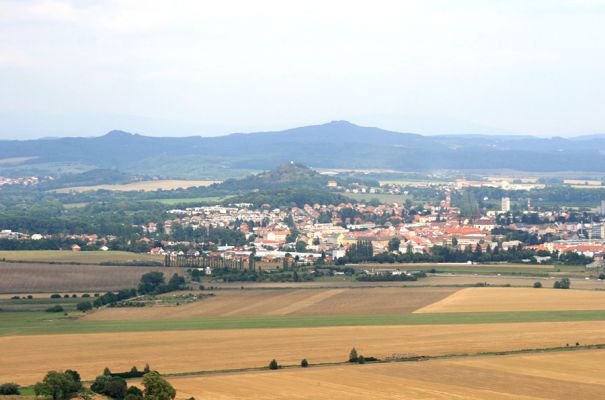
(143, 185)
(236, 303)
(32, 277)
(577, 375)
(26, 358)
(517, 299)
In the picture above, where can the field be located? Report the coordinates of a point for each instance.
(144, 186)
(77, 257)
(382, 197)
(36, 277)
(567, 375)
(517, 299)
(26, 358)
(190, 200)
(288, 302)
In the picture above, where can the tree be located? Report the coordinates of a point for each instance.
(273, 364)
(537, 285)
(301, 246)
(304, 363)
(394, 244)
(58, 385)
(106, 372)
(157, 388)
(112, 386)
(84, 306)
(353, 357)
(562, 284)
(150, 282)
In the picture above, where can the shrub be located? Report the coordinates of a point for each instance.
(562, 284)
(273, 364)
(304, 363)
(361, 359)
(66, 296)
(29, 296)
(15, 298)
(353, 355)
(537, 285)
(7, 389)
(56, 308)
(55, 296)
(86, 295)
(74, 296)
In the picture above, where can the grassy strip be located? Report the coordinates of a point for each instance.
(16, 323)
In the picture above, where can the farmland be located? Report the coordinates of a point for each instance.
(25, 358)
(288, 302)
(536, 376)
(144, 186)
(76, 257)
(38, 277)
(517, 299)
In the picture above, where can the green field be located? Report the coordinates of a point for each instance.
(15, 323)
(489, 269)
(76, 257)
(39, 303)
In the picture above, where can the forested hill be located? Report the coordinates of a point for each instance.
(337, 144)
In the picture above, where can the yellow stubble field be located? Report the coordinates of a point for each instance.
(561, 376)
(26, 358)
(517, 299)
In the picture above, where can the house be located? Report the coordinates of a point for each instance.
(75, 247)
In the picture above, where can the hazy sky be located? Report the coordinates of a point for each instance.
(213, 67)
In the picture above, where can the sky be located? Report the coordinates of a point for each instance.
(179, 68)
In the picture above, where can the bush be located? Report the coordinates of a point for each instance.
(361, 359)
(84, 306)
(29, 296)
(66, 296)
(56, 308)
(273, 364)
(15, 298)
(55, 296)
(86, 295)
(7, 389)
(537, 285)
(304, 363)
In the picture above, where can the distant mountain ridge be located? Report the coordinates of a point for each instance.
(338, 144)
